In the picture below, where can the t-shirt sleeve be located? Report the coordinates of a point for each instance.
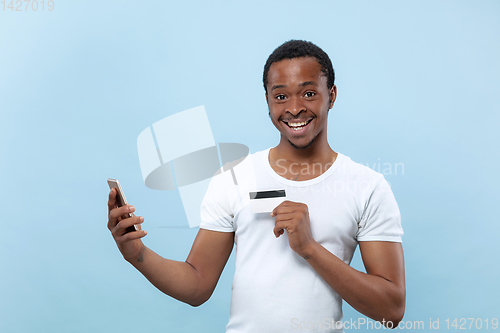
(218, 204)
(381, 219)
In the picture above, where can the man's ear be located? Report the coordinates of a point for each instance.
(333, 96)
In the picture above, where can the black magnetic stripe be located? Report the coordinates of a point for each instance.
(267, 194)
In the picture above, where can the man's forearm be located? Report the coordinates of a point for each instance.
(373, 296)
(177, 279)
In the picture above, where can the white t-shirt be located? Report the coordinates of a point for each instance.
(274, 289)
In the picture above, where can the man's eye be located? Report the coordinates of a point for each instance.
(280, 97)
(309, 94)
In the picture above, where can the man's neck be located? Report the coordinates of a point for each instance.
(301, 163)
(318, 152)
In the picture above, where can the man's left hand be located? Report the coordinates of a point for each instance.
(294, 218)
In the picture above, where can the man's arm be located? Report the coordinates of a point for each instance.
(379, 294)
(192, 281)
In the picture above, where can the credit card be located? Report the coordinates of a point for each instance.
(266, 201)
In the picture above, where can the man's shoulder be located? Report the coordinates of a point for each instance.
(241, 171)
(357, 171)
(361, 180)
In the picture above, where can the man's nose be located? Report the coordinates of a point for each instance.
(295, 106)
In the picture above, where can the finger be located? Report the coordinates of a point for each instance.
(283, 210)
(116, 213)
(288, 203)
(120, 227)
(288, 207)
(278, 232)
(111, 200)
(283, 204)
(286, 217)
(121, 211)
(141, 219)
(279, 229)
(131, 236)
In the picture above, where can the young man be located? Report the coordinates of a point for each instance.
(292, 266)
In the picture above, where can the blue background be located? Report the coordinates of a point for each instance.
(417, 84)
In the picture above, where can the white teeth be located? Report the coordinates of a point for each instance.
(297, 124)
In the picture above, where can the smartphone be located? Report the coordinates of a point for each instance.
(120, 200)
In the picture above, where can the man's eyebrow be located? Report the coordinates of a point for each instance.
(308, 83)
(278, 86)
(303, 84)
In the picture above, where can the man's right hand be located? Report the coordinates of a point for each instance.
(191, 281)
(129, 244)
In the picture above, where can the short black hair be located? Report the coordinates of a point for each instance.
(301, 48)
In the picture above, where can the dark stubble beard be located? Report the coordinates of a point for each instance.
(303, 147)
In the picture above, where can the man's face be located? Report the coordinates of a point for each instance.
(299, 100)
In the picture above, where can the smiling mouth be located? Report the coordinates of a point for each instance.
(296, 126)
